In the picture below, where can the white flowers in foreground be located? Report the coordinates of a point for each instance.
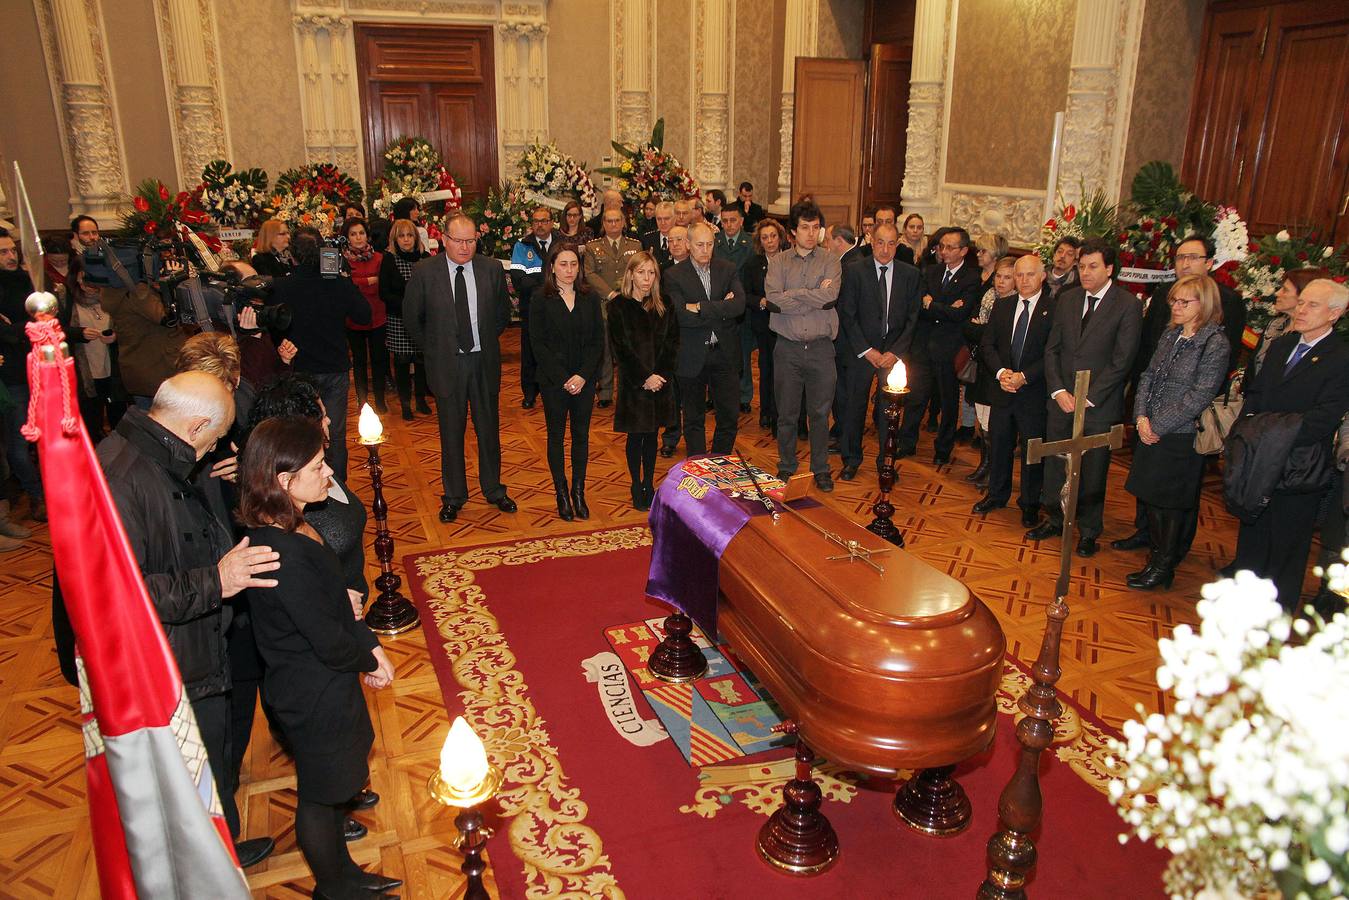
(1246, 781)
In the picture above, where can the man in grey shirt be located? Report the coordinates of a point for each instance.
(801, 289)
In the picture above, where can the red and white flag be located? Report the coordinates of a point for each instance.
(158, 829)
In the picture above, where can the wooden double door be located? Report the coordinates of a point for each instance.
(435, 82)
(1269, 123)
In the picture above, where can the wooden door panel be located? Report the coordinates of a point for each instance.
(435, 81)
(1296, 181)
(887, 123)
(827, 135)
(1230, 66)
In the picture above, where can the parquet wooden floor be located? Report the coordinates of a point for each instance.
(1109, 651)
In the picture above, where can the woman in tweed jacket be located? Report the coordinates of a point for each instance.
(1185, 373)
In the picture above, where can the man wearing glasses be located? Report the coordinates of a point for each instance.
(526, 273)
(455, 309)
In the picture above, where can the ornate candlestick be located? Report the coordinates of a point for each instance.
(391, 613)
(466, 780)
(895, 389)
(677, 659)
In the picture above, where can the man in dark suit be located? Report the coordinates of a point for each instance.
(950, 297)
(455, 309)
(707, 298)
(1013, 346)
(1194, 256)
(657, 240)
(1096, 327)
(1306, 373)
(878, 306)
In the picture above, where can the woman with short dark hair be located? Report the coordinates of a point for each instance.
(1186, 370)
(566, 330)
(314, 647)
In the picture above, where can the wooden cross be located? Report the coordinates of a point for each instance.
(1071, 449)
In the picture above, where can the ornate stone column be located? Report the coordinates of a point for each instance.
(187, 38)
(329, 103)
(523, 108)
(800, 39)
(1100, 94)
(72, 39)
(713, 77)
(634, 36)
(927, 106)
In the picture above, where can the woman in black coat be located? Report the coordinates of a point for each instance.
(1186, 371)
(315, 649)
(566, 331)
(769, 239)
(271, 250)
(644, 336)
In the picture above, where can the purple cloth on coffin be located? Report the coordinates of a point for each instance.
(691, 525)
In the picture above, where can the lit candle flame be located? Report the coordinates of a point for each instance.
(463, 761)
(370, 427)
(898, 379)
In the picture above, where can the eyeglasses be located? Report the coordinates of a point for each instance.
(1191, 257)
(455, 240)
(540, 221)
(1180, 301)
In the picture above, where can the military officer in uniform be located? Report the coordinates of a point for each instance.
(605, 259)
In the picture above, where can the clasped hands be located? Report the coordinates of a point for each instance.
(880, 360)
(653, 382)
(1010, 381)
(382, 677)
(574, 384)
(1145, 432)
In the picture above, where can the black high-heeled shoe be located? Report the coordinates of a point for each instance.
(578, 501)
(638, 495)
(564, 509)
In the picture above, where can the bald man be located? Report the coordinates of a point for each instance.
(1013, 346)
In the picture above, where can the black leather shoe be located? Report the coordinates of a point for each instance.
(986, 506)
(666, 452)
(848, 473)
(1153, 576)
(639, 497)
(380, 406)
(605, 404)
(1087, 546)
(504, 503)
(564, 510)
(824, 482)
(527, 403)
(366, 799)
(941, 459)
(407, 413)
(578, 502)
(253, 851)
(354, 830)
(1043, 531)
(764, 422)
(449, 512)
(1136, 541)
(744, 407)
(1029, 518)
(422, 406)
(374, 881)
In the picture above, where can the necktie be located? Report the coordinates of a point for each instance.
(463, 321)
(614, 244)
(1091, 308)
(1298, 352)
(946, 280)
(663, 245)
(543, 249)
(885, 300)
(1019, 333)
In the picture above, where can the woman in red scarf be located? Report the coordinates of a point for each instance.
(367, 341)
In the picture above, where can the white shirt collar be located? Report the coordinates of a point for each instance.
(1303, 340)
(1101, 294)
(952, 272)
(1031, 300)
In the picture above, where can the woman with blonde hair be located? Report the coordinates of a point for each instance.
(644, 337)
(1185, 372)
(271, 249)
(989, 247)
(406, 249)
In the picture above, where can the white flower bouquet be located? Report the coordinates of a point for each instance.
(233, 198)
(1246, 780)
(552, 173)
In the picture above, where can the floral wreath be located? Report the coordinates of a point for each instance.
(1095, 219)
(648, 172)
(233, 198)
(157, 213)
(324, 179)
(554, 175)
(502, 217)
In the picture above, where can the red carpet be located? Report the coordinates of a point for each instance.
(586, 812)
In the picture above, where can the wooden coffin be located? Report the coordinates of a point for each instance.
(880, 671)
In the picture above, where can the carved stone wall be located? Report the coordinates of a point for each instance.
(188, 45)
(330, 96)
(634, 69)
(713, 80)
(925, 139)
(72, 37)
(1013, 213)
(1100, 93)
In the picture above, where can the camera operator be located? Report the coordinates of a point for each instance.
(320, 306)
(148, 340)
(263, 359)
(86, 240)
